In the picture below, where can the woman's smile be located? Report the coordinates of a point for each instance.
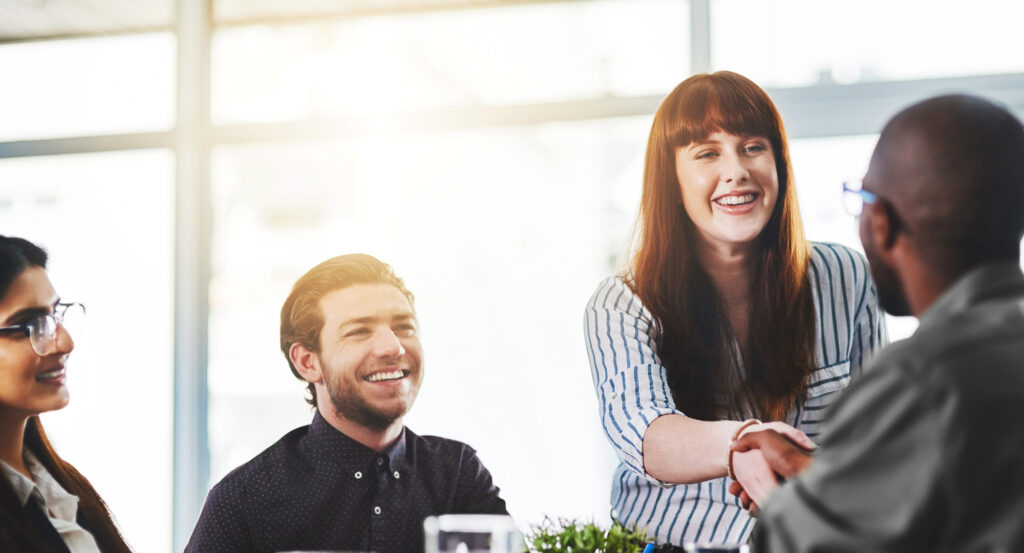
(729, 186)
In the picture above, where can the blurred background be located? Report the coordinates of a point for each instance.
(186, 161)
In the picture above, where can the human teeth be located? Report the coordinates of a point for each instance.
(50, 374)
(392, 375)
(736, 200)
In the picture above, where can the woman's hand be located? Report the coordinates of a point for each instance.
(783, 456)
(774, 443)
(736, 489)
(754, 479)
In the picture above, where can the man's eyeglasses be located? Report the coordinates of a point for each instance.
(42, 330)
(854, 197)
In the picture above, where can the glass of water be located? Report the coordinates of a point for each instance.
(472, 534)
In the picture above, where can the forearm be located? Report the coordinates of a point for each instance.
(682, 450)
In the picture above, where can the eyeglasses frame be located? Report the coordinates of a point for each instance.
(868, 197)
(29, 327)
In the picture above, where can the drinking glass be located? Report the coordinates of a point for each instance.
(472, 534)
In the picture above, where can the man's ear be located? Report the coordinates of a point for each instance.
(883, 226)
(306, 362)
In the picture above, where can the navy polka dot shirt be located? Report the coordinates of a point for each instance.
(316, 489)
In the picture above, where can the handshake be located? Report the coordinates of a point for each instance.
(762, 456)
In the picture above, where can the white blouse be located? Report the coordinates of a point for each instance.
(59, 505)
(623, 344)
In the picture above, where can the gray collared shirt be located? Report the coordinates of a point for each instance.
(926, 451)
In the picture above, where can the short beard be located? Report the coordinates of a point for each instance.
(894, 303)
(890, 289)
(356, 410)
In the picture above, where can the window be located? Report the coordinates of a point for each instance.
(115, 84)
(451, 59)
(820, 165)
(804, 42)
(107, 223)
(492, 151)
(501, 233)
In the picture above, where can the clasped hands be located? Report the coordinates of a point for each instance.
(763, 456)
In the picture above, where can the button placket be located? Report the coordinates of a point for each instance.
(381, 508)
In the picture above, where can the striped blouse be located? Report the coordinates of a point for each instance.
(632, 390)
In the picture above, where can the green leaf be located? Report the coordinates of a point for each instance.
(571, 536)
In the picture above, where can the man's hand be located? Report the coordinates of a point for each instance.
(785, 458)
(797, 437)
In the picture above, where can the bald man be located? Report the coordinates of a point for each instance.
(926, 451)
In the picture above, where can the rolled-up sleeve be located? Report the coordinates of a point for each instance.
(630, 381)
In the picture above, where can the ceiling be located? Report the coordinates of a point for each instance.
(35, 19)
(23, 20)
(232, 11)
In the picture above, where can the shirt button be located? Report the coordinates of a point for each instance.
(397, 475)
(376, 510)
(615, 395)
(380, 461)
(358, 475)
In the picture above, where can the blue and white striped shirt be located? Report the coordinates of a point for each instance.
(632, 390)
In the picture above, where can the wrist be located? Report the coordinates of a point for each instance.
(745, 425)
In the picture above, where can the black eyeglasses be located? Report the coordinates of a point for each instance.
(42, 329)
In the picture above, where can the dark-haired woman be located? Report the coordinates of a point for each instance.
(726, 316)
(45, 504)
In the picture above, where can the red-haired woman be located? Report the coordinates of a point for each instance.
(725, 317)
(45, 504)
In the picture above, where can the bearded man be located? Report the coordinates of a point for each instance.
(355, 479)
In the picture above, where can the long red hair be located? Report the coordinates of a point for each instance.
(667, 275)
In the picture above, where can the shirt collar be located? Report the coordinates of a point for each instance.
(975, 286)
(43, 486)
(23, 486)
(329, 442)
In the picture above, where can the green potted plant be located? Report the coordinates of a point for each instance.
(572, 536)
